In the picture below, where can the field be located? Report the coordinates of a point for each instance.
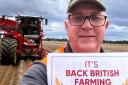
(10, 75)
(53, 45)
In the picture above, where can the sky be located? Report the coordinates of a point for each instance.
(55, 12)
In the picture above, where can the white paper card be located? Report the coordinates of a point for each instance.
(87, 68)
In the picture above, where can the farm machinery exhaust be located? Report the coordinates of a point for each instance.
(21, 38)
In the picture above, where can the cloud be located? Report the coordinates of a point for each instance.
(55, 30)
(52, 9)
(55, 12)
(117, 32)
(118, 17)
(56, 26)
(117, 11)
(117, 8)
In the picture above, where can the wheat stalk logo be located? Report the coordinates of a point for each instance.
(58, 82)
(126, 82)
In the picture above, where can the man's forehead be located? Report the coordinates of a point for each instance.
(87, 13)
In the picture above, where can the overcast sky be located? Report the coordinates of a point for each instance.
(55, 12)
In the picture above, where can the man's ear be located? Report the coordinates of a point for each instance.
(66, 24)
(106, 24)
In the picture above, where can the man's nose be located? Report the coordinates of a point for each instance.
(87, 25)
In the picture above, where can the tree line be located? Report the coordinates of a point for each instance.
(105, 41)
(54, 39)
(116, 42)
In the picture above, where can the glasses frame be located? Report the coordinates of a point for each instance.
(87, 17)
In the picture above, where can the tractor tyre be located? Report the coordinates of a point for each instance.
(8, 51)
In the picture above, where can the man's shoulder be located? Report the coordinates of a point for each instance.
(36, 74)
(38, 65)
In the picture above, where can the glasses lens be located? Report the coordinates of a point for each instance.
(76, 19)
(97, 20)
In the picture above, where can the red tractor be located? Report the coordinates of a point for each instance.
(22, 39)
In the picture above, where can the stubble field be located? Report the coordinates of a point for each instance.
(53, 45)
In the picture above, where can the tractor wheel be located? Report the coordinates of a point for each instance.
(8, 51)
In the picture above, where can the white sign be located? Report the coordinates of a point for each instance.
(87, 69)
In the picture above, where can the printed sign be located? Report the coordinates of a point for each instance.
(87, 69)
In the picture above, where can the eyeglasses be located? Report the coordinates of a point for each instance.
(95, 20)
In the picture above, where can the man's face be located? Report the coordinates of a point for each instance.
(86, 27)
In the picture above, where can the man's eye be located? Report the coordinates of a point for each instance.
(96, 18)
(78, 17)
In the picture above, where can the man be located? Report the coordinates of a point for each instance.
(86, 25)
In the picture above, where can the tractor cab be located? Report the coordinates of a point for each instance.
(30, 27)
